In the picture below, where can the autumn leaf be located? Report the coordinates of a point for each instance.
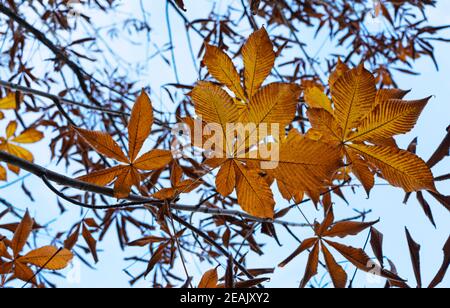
(259, 59)
(180, 4)
(363, 123)
(11, 144)
(328, 228)
(7, 103)
(209, 280)
(127, 175)
(300, 163)
(22, 233)
(48, 257)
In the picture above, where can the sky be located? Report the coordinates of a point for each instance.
(386, 202)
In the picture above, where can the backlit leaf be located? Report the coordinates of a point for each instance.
(48, 257)
(140, 124)
(222, 69)
(259, 59)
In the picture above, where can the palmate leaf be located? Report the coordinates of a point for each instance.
(366, 121)
(12, 142)
(127, 175)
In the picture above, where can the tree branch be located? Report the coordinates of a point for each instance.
(63, 180)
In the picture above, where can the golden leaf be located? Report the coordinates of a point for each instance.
(254, 195)
(22, 233)
(140, 125)
(401, 168)
(126, 176)
(222, 69)
(209, 280)
(28, 136)
(259, 59)
(353, 96)
(274, 103)
(104, 144)
(48, 257)
(226, 179)
(11, 129)
(315, 98)
(8, 102)
(364, 117)
(393, 117)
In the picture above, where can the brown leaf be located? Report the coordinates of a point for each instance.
(348, 228)
(414, 250)
(180, 4)
(91, 242)
(441, 152)
(337, 273)
(362, 261)
(376, 241)
(140, 124)
(209, 280)
(22, 233)
(307, 244)
(443, 270)
(312, 265)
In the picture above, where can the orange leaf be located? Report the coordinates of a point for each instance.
(140, 125)
(254, 194)
(125, 180)
(222, 69)
(103, 144)
(48, 258)
(29, 136)
(209, 280)
(226, 179)
(3, 175)
(259, 59)
(337, 273)
(22, 233)
(347, 228)
(102, 177)
(91, 242)
(153, 160)
(24, 273)
(311, 267)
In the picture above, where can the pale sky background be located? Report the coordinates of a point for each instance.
(386, 202)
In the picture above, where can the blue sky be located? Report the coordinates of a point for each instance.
(386, 202)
